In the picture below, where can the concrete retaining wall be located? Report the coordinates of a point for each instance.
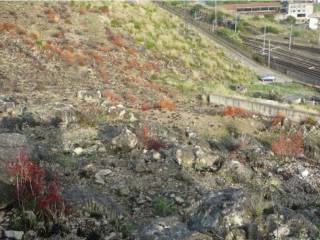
(269, 108)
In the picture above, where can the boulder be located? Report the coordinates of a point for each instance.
(89, 95)
(185, 157)
(197, 158)
(219, 211)
(168, 228)
(17, 235)
(237, 171)
(119, 137)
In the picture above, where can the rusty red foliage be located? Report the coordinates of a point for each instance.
(104, 74)
(5, 26)
(146, 106)
(132, 51)
(67, 56)
(277, 119)
(131, 98)
(167, 104)
(288, 145)
(81, 59)
(33, 36)
(150, 140)
(110, 95)
(31, 189)
(233, 111)
(96, 56)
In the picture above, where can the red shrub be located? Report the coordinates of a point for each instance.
(132, 63)
(33, 36)
(31, 189)
(133, 99)
(7, 26)
(81, 59)
(288, 145)
(67, 56)
(28, 41)
(146, 106)
(110, 95)
(233, 111)
(277, 119)
(116, 39)
(132, 51)
(104, 75)
(149, 140)
(167, 104)
(96, 56)
(58, 35)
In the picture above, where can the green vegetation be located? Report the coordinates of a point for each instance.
(230, 35)
(161, 207)
(198, 63)
(317, 7)
(271, 29)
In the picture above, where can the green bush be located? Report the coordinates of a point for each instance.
(161, 207)
(289, 20)
(230, 35)
(259, 58)
(269, 17)
(271, 29)
(195, 9)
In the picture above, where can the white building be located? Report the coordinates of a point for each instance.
(300, 9)
(314, 21)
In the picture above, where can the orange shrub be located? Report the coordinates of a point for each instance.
(167, 104)
(104, 75)
(7, 26)
(233, 111)
(277, 119)
(96, 56)
(58, 35)
(80, 59)
(130, 97)
(146, 106)
(28, 41)
(133, 63)
(33, 36)
(288, 145)
(116, 39)
(132, 51)
(110, 95)
(67, 56)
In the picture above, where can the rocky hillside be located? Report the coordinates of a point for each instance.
(106, 133)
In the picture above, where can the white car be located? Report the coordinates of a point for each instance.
(267, 78)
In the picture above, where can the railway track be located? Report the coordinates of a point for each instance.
(306, 70)
(308, 66)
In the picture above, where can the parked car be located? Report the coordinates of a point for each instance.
(267, 78)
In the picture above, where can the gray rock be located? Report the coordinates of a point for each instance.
(120, 137)
(6, 104)
(14, 234)
(185, 157)
(237, 171)
(140, 166)
(89, 95)
(101, 175)
(205, 160)
(168, 228)
(219, 211)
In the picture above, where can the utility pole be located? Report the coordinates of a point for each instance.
(213, 28)
(235, 24)
(215, 13)
(269, 54)
(290, 38)
(264, 39)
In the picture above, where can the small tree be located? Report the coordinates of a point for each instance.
(290, 145)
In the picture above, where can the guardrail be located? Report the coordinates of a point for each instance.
(269, 109)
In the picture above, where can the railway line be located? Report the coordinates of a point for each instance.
(308, 66)
(304, 70)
